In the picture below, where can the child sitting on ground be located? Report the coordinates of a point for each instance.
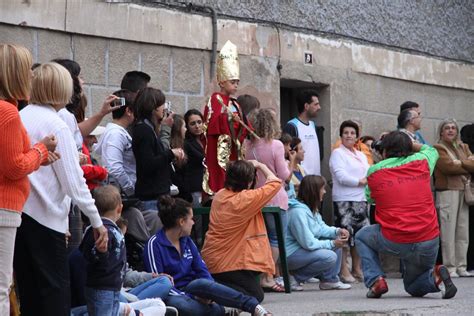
(139, 285)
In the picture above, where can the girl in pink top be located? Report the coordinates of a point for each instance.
(270, 151)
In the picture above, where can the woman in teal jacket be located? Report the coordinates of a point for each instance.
(312, 247)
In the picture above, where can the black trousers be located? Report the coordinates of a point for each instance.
(470, 251)
(41, 269)
(244, 281)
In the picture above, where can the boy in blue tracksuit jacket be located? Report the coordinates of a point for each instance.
(105, 266)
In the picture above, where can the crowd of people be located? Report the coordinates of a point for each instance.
(99, 221)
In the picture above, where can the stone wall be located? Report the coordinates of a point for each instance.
(439, 28)
(178, 72)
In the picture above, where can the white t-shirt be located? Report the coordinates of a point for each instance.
(309, 140)
(71, 122)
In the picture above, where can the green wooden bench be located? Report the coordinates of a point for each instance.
(275, 211)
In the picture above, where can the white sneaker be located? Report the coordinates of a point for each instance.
(465, 274)
(279, 280)
(312, 280)
(231, 311)
(260, 311)
(334, 286)
(454, 274)
(295, 286)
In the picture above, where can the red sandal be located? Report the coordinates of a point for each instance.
(274, 288)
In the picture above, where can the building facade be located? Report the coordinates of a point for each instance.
(364, 57)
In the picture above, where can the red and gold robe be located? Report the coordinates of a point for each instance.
(219, 124)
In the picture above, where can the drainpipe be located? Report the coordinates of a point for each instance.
(196, 7)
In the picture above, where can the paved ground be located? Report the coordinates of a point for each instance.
(312, 301)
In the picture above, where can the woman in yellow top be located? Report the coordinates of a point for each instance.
(236, 249)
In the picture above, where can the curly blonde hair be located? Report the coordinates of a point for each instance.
(265, 124)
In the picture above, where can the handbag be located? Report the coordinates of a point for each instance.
(468, 191)
(468, 187)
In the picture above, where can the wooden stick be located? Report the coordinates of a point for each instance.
(241, 122)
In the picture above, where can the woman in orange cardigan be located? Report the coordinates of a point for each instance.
(236, 249)
(17, 157)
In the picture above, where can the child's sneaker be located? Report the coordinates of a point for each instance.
(261, 311)
(312, 280)
(334, 286)
(295, 286)
(279, 280)
(377, 289)
(231, 311)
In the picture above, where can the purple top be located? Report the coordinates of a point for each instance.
(272, 154)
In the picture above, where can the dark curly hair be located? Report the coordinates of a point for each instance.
(349, 123)
(75, 70)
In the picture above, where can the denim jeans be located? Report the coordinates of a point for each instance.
(271, 227)
(102, 302)
(324, 264)
(417, 258)
(156, 287)
(207, 289)
(150, 205)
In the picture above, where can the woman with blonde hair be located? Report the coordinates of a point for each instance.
(40, 260)
(453, 169)
(271, 152)
(17, 157)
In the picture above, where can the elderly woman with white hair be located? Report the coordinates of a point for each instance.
(453, 169)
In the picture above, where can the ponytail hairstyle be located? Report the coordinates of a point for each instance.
(172, 210)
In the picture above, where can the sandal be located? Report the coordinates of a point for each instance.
(348, 280)
(358, 277)
(274, 288)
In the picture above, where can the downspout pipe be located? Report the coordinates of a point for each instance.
(213, 12)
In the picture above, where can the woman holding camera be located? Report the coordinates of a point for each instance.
(349, 170)
(152, 158)
(313, 248)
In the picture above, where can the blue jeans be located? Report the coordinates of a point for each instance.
(417, 258)
(102, 302)
(157, 287)
(271, 227)
(324, 264)
(150, 205)
(207, 289)
(79, 311)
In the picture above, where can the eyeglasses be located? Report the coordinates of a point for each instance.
(193, 123)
